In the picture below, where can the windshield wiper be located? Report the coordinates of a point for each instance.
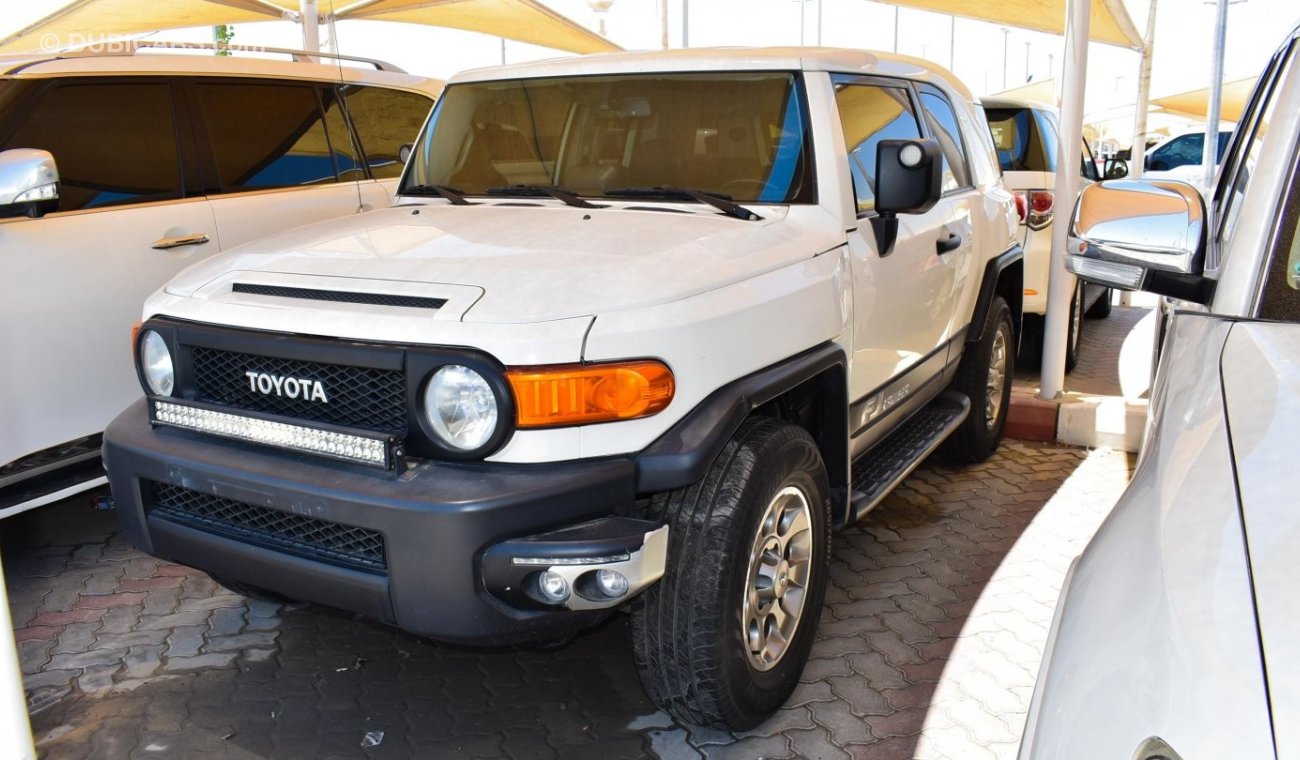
(534, 191)
(720, 202)
(454, 196)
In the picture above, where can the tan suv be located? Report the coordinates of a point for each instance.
(119, 170)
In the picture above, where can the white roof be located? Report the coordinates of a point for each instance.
(45, 66)
(998, 101)
(836, 60)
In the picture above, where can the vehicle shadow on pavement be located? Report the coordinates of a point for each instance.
(934, 625)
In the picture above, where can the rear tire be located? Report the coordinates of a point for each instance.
(1100, 309)
(723, 637)
(985, 378)
(1074, 336)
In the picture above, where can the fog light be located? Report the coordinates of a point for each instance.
(552, 586)
(611, 583)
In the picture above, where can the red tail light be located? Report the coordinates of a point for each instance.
(1022, 206)
(1041, 203)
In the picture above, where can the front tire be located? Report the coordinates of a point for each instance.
(1075, 334)
(985, 378)
(1100, 308)
(723, 637)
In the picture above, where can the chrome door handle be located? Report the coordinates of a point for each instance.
(197, 238)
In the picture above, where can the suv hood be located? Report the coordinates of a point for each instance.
(544, 262)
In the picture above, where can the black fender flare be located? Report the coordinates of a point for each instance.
(993, 270)
(684, 453)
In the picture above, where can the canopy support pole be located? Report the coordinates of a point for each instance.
(1138, 153)
(1060, 283)
(309, 17)
(13, 705)
(1210, 156)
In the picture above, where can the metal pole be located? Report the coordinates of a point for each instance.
(1210, 157)
(952, 43)
(1060, 283)
(802, 14)
(895, 28)
(686, 23)
(1137, 154)
(663, 24)
(13, 704)
(1027, 44)
(819, 23)
(1006, 35)
(309, 17)
(503, 51)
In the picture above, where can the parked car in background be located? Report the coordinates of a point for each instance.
(1181, 157)
(1177, 635)
(1025, 135)
(641, 328)
(117, 171)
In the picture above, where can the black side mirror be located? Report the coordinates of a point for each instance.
(909, 180)
(1116, 169)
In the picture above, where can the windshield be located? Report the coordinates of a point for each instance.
(742, 135)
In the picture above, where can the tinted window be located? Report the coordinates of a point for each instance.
(1025, 139)
(385, 120)
(347, 156)
(869, 114)
(114, 143)
(1254, 128)
(742, 135)
(266, 136)
(943, 123)
(1180, 151)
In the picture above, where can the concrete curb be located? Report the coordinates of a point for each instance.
(1077, 419)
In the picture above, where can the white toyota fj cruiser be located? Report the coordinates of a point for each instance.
(639, 327)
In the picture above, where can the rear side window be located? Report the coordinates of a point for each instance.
(269, 135)
(114, 143)
(943, 123)
(385, 120)
(870, 113)
(1025, 139)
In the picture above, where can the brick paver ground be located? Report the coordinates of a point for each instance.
(929, 644)
(1125, 333)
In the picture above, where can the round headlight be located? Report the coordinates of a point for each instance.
(156, 364)
(461, 407)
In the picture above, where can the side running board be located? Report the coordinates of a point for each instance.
(886, 464)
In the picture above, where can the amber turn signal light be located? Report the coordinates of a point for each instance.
(580, 394)
(135, 336)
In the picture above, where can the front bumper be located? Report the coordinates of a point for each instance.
(425, 533)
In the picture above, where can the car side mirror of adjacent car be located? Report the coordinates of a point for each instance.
(29, 183)
(404, 153)
(1115, 169)
(1141, 235)
(909, 180)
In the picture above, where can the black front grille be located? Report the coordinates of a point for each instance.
(340, 296)
(331, 542)
(359, 397)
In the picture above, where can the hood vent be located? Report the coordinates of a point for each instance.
(339, 296)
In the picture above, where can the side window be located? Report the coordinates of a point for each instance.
(870, 113)
(1181, 151)
(267, 135)
(347, 155)
(385, 120)
(1281, 295)
(943, 123)
(1251, 131)
(1089, 168)
(115, 143)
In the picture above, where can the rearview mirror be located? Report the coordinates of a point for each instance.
(29, 183)
(1141, 235)
(909, 180)
(404, 152)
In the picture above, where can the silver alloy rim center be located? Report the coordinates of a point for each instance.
(777, 580)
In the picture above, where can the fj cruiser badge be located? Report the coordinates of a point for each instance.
(286, 387)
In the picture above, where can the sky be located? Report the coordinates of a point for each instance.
(972, 49)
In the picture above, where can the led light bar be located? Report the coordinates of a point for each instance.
(348, 447)
(622, 557)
